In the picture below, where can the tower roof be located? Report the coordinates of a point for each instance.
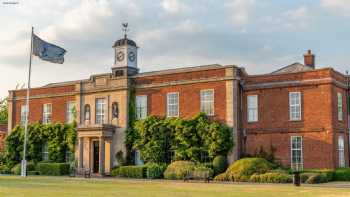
(124, 41)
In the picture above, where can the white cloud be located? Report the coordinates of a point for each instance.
(173, 6)
(341, 7)
(240, 11)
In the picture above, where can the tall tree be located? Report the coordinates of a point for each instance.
(3, 110)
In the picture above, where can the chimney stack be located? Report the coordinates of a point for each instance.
(309, 59)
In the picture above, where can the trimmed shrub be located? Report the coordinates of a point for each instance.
(342, 174)
(327, 172)
(242, 169)
(305, 176)
(53, 169)
(271, 177)
(316, 178)
(17, 168)
(179, 169)
(114, 171)
(131, 172)
(202, 172)
(222, 177)
(219, 164)
(155, 171)
(4, 169)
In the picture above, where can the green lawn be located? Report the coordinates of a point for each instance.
(61, 186)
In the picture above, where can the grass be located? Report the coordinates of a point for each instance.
(62, 186)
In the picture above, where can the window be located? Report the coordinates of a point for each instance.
(47, 113)
(297, 153)
(141, 107)
(100, 111)
(87, 112)
(70, 112)
(207, 102)
(68, 156)
(115, 110)
(340, 106)
(173, 104)
(294, 106)
(24, 111)
(341, 151)
(252, 103)
(45, 152)
(138, 160)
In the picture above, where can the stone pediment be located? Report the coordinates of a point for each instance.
(293, 68)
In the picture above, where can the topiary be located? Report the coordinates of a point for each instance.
(219, 164)
(179, 169)
(242, 169)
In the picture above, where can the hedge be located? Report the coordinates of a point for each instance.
(179, 169)
(17, 168)
(54, 169)
(317, 178)
(342, 174)
(130, 171)
(326, 172)
(271, 177)
(219, 164)
(222, 177)
(202, 172)
(155, 171)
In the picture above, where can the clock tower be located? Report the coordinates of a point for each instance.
(125, 55)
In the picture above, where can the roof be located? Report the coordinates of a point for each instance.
(293, 68)
(124, 41)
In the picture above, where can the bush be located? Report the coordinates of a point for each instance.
(54, 169)
(114, 171)
(242, 169)
(4, 169)
(305, 176)
(202, 172)
(219, 164)
(222, 177)
(120, 158)
(131, 172)
(33, 173)
(271, 177)
(179, 169)
(317, 178)
(327, 172)
(155, 171)
(342, 174)
(17, 168)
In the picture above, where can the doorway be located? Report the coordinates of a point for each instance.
(96, 156)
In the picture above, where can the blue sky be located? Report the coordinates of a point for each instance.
(260, 35)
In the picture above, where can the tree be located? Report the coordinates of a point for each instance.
(3, 110)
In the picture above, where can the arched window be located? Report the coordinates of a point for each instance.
(115, 110)
(87, 112)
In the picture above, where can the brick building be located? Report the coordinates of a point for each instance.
(299, 112)
(3, 132)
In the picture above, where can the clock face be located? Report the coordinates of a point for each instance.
(120, 56)
(132, 56)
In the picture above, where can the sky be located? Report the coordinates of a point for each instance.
(260, 35)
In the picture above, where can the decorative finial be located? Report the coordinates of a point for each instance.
(125, 29)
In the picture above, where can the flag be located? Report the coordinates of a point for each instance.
(47, 51)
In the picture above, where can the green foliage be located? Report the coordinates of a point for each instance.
(155, 171)
(4, 169)
(59, 137)
(271, 177)
(179, 169)
(222, 177)
(120, 158)
(342, 174)
(202, 172)
(17, 168)
(219, 164)
(242, 169)
(3, 110)
(190, 139)
(53, 169)
(327, 172)
(131, 171)
(317, 178)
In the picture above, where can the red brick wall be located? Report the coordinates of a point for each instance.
(189, 104)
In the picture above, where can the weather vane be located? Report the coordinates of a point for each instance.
(125, 29)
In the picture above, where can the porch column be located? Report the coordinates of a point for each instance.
(102, 156)
(81, 153)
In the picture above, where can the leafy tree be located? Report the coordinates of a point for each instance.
(3, 110)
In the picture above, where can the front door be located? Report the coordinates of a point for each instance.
(96, 156)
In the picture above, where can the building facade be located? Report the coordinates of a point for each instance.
(299, 113)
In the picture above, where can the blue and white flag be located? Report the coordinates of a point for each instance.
(47, 51)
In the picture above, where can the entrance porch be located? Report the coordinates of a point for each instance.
(95, 148)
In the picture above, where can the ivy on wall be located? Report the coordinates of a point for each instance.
(59, 137)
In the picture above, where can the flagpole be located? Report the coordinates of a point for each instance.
(24, 161)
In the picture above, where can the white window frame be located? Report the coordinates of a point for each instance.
(47, 113)
(45, 151)
(70, 111)
(341, 151)
(24, 111)
(296, 166)
(207, 104)
(340, 106)
(141, 106)
(100, 111)
(294, 108)
(253, 111)
(176, 112)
